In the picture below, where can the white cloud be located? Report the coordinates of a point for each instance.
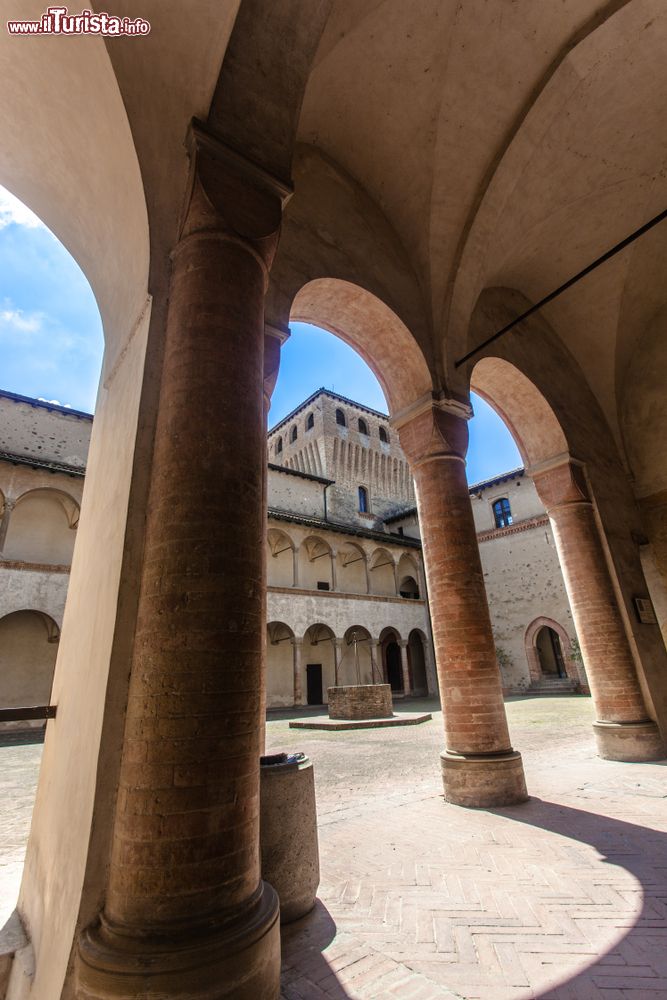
(20, 322)
(14, 211)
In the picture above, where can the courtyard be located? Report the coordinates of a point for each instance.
(562, 898)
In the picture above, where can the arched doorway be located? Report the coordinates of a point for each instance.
(550, 653)
(392, 666)
(417, 663)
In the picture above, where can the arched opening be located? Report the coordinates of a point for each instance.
(293, 434)
(351, 569)
(409, 588)
(318, 659)
(363, 426)
(315, 564)
(382, 573)
(357, 664)
(280, 561)
(392, 660)
(550, 653)
(363, 500)
(28, 648)
(279, 665)
(42, 528)
(417, 663)
(408, 575)
(340, 418)
(310, 421)
(384, 435)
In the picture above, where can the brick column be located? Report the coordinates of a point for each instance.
(186, 912)
(4, 520)
(298, 687)
(405, 667)
(479, 766)
(623, 729)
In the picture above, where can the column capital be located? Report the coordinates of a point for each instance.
(432, 430)
(230, 197)
(274, 338)
(297, 642)
(403, 643)
(560, 483)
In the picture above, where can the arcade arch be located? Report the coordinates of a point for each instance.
(319, 658)
(28, 648)
(282, 560)
(42, 528)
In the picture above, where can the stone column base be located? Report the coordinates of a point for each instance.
(483, 780)
(241, 961)
(631, 742)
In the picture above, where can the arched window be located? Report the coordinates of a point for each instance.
(384, 436)
(293, 434)
(310, 422)
(340, 418)
(279, 445)
(363, 426)
(502, 513)
(363, 500)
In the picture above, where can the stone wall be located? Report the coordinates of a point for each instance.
(47, 433)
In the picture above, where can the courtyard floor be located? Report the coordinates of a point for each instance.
(563, 898)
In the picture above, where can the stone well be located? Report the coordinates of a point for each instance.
(360, 701)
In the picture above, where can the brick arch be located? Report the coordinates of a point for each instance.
(373, 329)
(530, 641)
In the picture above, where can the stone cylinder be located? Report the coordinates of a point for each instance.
(288, 832)
(360, 701)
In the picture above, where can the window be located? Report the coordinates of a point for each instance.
(323, 585)
(363, 500)
(363, 426)
(384, 436)
(279, 445)
(340, 418)
(293, 434)
(310, 422)
(502, 513)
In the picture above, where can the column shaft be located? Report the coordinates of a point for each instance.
(4, 521)
(298, 687)
(479, 765)
(186, 912)
(405, 667)
(623, 729)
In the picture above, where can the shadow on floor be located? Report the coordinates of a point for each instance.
(305, 971)
(635, 965)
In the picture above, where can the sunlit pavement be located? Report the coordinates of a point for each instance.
(564, 897)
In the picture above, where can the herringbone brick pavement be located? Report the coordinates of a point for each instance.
(563, 898)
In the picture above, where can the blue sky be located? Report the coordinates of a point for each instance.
(51, 343)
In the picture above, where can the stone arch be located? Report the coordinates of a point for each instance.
(407, 576)
(382, 571)
(374, 330)
(315, 562)
(28, 647)
(391, 659)
(352, 574)
(279, 664)
(281, 561)
(417, 663)
(357, 663)
(42, 527)
(319, 662)
(530, 643)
